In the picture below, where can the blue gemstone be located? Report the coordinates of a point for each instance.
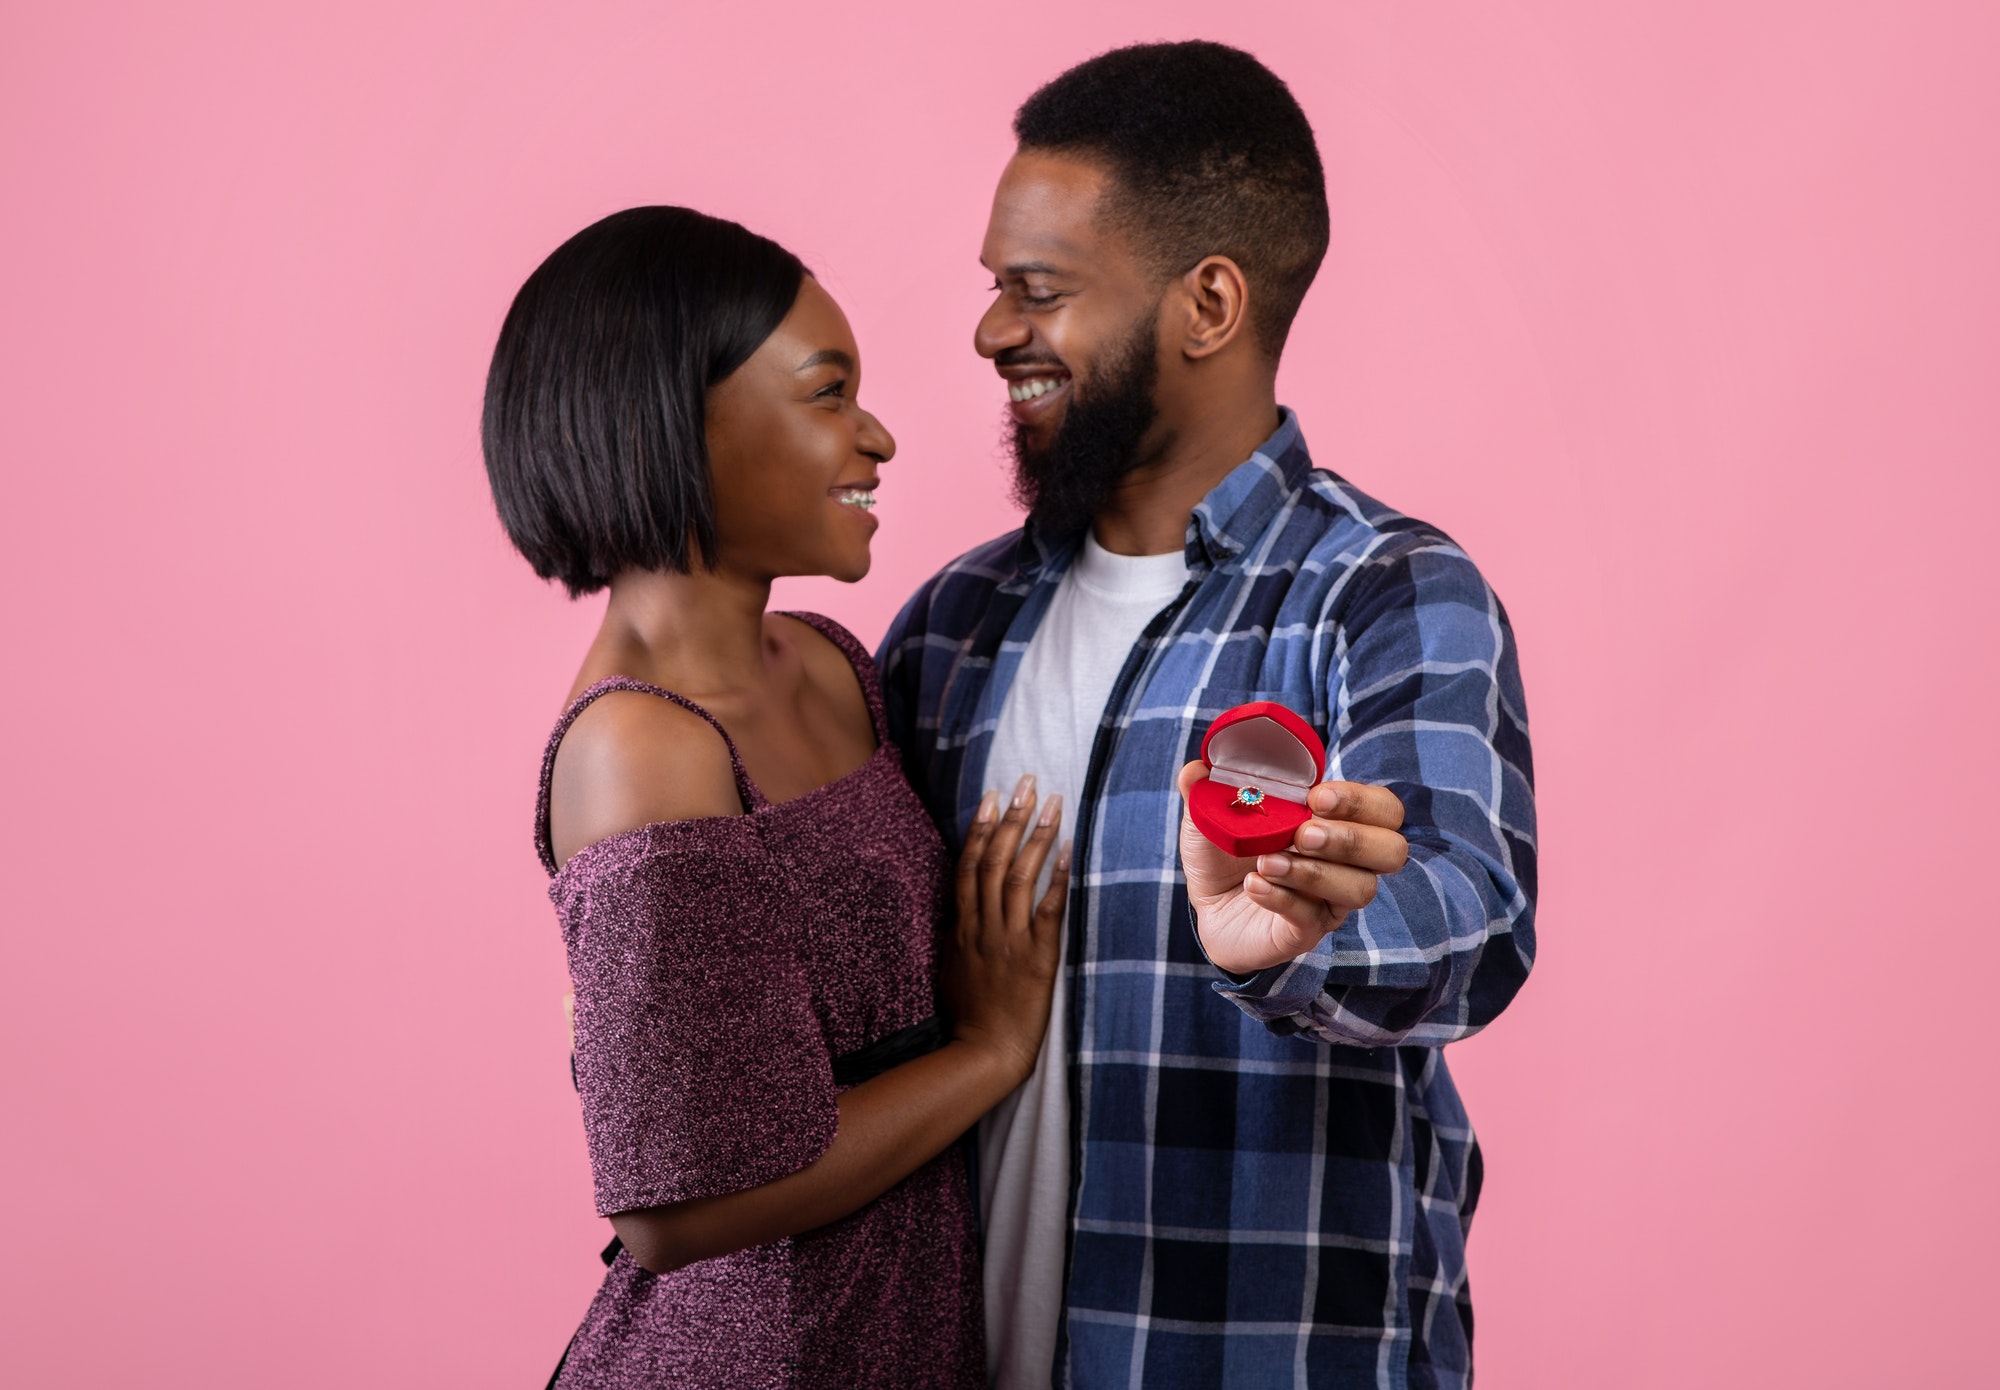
(1250, 796)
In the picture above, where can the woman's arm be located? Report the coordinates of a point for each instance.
(889, 1127)
(998, 978)
(640, 761)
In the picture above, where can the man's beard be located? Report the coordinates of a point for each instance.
(1064, 485)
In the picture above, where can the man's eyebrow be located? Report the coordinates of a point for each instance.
(1033, 268)
(827, 356)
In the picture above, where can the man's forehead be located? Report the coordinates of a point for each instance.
(1044, 214)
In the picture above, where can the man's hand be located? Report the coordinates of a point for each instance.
(1256, 913)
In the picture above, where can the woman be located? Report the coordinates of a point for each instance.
(749, 891)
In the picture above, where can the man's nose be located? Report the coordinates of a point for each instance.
(999, 329)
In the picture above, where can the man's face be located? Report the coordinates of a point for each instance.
(1073, 330)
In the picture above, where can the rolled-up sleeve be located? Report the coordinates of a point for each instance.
(1426, 699)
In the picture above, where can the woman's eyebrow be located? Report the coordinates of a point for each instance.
(825, 356)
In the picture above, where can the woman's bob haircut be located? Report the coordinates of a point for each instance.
(594, 426)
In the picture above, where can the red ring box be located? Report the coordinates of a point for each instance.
(1265, 746)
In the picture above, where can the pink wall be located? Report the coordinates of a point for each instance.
(1684, 317)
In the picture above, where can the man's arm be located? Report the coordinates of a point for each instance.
(1344, 946)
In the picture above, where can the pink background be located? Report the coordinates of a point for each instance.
(1682, 317)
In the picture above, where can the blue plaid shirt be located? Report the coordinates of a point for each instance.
(1271, 1180)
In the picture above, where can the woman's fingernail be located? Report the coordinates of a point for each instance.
(1274, 865)
(1024, 789)
(1052, 812)
(1311, 836)
(989, 804)
(1062, 855)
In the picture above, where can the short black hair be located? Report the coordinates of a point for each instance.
(594, 428)
(1210, 155)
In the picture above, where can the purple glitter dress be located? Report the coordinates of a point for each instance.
(723, 968)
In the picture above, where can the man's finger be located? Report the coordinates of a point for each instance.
(1352, 842)
(1306, 919)
(1357, 801)
(1191, 773)
(1341, 888)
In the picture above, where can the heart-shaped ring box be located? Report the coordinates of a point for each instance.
(1262, 747)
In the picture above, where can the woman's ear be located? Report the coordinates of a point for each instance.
(1218, 303)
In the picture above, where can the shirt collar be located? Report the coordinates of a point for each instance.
(1238, 508)
(1224, 523)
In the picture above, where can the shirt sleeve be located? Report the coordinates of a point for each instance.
(1427, 701)
(701, 1064)
(898, 671)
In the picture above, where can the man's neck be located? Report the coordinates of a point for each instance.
(1148, 514)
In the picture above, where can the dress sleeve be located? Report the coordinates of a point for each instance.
(701, 1063)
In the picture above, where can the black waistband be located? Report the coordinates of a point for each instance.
(888, 1052)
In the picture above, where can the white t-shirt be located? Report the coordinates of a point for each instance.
(1047, 727)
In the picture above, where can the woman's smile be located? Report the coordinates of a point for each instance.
(859, 495)
(856, 497)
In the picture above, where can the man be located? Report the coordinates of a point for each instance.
(1241, 1160)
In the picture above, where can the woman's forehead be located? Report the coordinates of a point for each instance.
(815, 327)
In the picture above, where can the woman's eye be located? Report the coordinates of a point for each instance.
(835, 390)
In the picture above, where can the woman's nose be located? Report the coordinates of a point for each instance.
(875, 439)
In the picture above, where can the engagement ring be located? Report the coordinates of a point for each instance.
(1251, 798)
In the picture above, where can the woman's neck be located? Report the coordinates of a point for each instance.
(700, 633)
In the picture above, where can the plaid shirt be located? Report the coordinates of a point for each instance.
(1271, 1180)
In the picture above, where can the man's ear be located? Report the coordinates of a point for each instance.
(1218, 306)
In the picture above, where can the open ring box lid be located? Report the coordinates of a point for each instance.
(1263, 746)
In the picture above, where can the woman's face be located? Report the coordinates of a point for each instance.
(793, 456)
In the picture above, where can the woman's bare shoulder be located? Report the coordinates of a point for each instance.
(832, 674)
(634, 759)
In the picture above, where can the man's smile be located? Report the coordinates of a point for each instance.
(1034, 393)
(1033, 387)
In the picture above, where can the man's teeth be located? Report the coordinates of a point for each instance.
(1032, 387)
(855, 497)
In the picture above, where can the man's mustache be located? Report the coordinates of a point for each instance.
(1021, 357)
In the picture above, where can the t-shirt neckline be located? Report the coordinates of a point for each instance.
(1129, 576)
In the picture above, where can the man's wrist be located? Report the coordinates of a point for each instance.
(1236, 971)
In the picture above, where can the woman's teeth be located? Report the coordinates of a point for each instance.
(1034, 386)
(855, 497)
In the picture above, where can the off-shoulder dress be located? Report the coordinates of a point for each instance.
(731, 974)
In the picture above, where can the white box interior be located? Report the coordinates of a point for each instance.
(1264, 754)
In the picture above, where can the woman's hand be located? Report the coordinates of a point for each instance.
(1001, 970)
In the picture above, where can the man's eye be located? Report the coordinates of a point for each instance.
(1027, 296)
